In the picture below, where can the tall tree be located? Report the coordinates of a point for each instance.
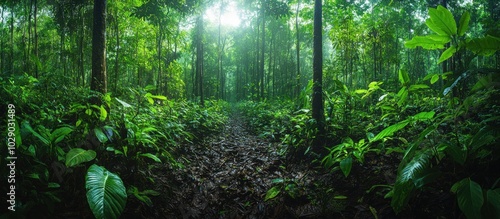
(35, 49)
(263, 49)
(199, 59)
(98, 81)
(297, 47)
(317, 96)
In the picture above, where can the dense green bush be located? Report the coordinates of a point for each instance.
(61, 138)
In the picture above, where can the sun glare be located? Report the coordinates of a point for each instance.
(230, 15)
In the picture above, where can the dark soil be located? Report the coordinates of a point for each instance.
(228, 175)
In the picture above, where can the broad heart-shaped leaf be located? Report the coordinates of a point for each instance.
(106, 193)
(463, 24)
(346, 166)
(77, 156)
(428, 42)
(390, 130)
(484, 46)
(469, 196)
(441, 21)
(271, 193)
(447, 54)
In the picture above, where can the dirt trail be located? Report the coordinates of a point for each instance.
(227, 176)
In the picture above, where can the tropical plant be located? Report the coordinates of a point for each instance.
(419, 165)
(106, 193)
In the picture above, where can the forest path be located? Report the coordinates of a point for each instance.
(227, 176)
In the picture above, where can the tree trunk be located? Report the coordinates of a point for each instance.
(98, 81)
(317, 97)
(35, 49)
(12, 39)
(297, 47)
(159, 47)
(263, 46)
(199, 59)
(2, 42)
(117, 63)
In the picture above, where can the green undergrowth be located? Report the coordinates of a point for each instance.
(69, 148)
(445, 138)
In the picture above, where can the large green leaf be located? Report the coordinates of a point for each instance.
(463, 24)
(441, 21)
(413, 173)
(469, 196)
(428, 42)
(78, 155)
(484, 46)
(401, 195)
(390, 130)
(447, 54)
(106, 193)
(416, 166)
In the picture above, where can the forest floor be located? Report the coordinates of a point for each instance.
(227, 176)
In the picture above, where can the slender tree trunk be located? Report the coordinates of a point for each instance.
(297, 47)
(2, 43)
(199, 59)
(99, 81)
(81, 63)
(35, 51)
(263, 49)
(159, 77)
(117, 58)
(317, 97)
(219, 52)
(12, 39)
(27, 49)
